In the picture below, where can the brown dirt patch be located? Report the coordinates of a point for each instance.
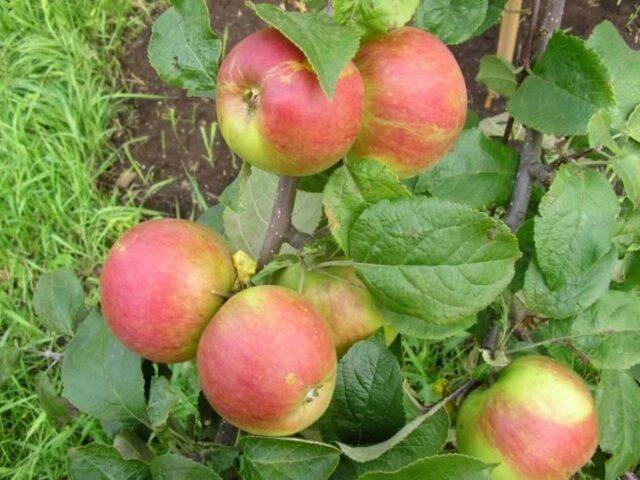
(170, 138)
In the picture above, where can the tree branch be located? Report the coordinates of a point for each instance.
(532, 148)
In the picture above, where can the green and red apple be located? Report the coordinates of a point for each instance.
(161, 283)
(341, 298)
(273, 113)
(267, 362)
(415, 100)
(536, 422)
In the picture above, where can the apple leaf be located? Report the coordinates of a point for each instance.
(183, 50)
(175, 467)
(327, 45)
(162, 399)
(422, 437)
(100, 376)
(417, 327)
(57, 408)
(493, 16)
(131, 447)
(623, 65)
(352, 188)
(367, 405)
(286, 458)
(441, 467)
(578, 292)
(58, 300)
(608, 333)
(99, 462)
(567, 86)
(575, 225)
(633, 124)
(431, 259)
(618, 407)
(9, 360)
(626, 165)
(454, 21)
(246, 224)
(599, 130)
(498, 75)
(374, 16)
(213, 218)
(478, 171)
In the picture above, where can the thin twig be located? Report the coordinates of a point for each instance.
(532, 147)
(464, 388)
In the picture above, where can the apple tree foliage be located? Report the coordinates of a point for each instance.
(434, 251)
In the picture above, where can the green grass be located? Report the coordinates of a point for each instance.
(59, 84)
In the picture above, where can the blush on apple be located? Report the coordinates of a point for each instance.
(415, 102)
(160, 285)
(273, 113)
(537, 421)
(267, 363)
(342, 299)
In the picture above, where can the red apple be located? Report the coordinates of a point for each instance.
(273, 113)
(341, 297)
(266, 362)
(161, 283)
(415, 102)
(537, 421)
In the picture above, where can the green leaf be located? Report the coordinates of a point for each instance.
(627, 231)
(417, 327)
(286, 458)
(374, 16)
(328, 46)
(454, 21)
(433, 260)
(493, 16)
(575, 225)
(162, 399)
(599, 130)
(623, 65)
(626, 165)
(498, 75)
(367, 403)
(577, 294)
(610, 331)
(175, 467)
(212, 218)
(245, 227)
(9, 360)
(352, 188)
(618, 406)
(633, 124)
(100, 376)
(132, 447)
(183, 50)
(57, 408)
(58, 300)
(442, 467)
(478, 171)
(278, 263)
(422, 437)
(99, 462)
(567, 86)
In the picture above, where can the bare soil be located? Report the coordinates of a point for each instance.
(169, 136)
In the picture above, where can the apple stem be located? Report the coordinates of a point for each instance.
(551, 11)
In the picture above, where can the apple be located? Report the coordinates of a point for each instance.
(537, 421)
(342, 299)
(273, 113)
(415, 101)
(266, 362)
(160, 285)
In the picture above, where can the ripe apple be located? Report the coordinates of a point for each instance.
(415, 102)
(161, 283)
(273, 113)
(266, 362)
(342, 299)
(537, 421)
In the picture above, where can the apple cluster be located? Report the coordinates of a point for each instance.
(267, 355)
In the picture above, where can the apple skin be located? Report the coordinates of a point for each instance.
(156, 287)
(273, 113)
(342, 299)
(538, 421)
(415, 101)
(266, 362)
